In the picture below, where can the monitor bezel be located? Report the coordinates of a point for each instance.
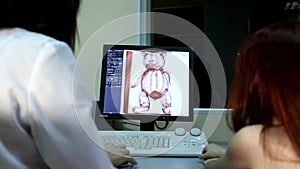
(141, 117)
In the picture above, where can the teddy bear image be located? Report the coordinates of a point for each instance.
(154, 81)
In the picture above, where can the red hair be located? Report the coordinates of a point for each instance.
(267, 80)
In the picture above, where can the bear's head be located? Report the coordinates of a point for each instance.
(154, 60)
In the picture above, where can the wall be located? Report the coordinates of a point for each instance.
(93, 16)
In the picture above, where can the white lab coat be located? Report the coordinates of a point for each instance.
(45, 110)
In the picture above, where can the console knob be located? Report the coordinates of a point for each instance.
(180, 131)
(195, 132)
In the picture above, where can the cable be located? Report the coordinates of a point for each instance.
(130, 123)
(161, 128)
(155, 123)
(123, 122)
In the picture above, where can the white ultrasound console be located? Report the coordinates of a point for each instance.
(178, 143)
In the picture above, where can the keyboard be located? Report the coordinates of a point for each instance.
(157, 143)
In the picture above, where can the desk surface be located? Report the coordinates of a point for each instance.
(167, 162)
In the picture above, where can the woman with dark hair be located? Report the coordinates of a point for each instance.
(265, 100)
(44, 103)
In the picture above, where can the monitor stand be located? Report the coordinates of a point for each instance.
(149, 126)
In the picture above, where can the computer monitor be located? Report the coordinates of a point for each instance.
(146, 83)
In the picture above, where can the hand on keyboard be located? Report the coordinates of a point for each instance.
(212, 151)
(118, 154)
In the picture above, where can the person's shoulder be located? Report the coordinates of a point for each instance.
(36, 39)
(249, 130)
(42, 44)
(247, 136)
(245, 144)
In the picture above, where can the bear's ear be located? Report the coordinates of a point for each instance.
(144, 53)
(163, 54)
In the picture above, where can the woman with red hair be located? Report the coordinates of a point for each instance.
(265, 99)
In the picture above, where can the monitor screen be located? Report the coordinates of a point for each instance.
(146, 83)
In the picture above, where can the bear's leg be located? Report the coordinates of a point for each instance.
(166, 103)
(144, 103)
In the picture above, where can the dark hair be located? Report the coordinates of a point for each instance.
(55, 18)
(267, 82)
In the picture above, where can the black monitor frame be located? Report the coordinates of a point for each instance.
(146, 120)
